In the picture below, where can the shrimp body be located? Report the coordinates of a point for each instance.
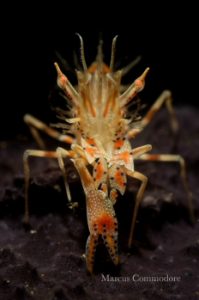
(100, 128)
(99, 125)
(99, 132)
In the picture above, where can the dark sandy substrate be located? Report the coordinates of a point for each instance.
(46, 262)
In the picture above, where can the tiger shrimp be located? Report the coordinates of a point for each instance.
(99, 134)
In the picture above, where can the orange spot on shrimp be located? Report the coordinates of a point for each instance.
(118, 144)
(91, 141)
(92, 68)
(105, 224)
(119, 178)
(125, 156)
(99, 171)
(139, 84)
(106, 69)
(90, 151)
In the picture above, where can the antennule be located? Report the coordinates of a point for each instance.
(82, 54)
(113, 52)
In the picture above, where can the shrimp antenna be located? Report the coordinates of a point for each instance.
(113, 52)
(100, 52)
(82, 54)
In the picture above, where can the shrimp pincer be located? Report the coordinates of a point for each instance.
(101, 218)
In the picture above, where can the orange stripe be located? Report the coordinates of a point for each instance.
(107, 108)
(110, 103)
(88, 103)
(153, 156)
(149, 115)
(68, 139)
(50, 154)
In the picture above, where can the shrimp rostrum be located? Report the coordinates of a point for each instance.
(99, 134)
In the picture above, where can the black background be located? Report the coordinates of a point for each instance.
(163, 34)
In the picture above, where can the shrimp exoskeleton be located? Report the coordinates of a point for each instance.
(99, 134)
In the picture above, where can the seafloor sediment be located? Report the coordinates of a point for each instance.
(46, 261)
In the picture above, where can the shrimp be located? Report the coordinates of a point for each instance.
(99, 135)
